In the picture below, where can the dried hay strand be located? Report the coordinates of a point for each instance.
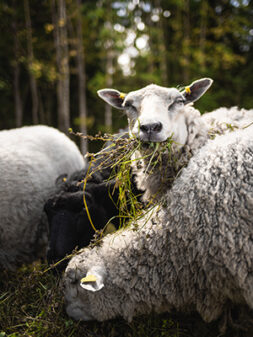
(119, 155)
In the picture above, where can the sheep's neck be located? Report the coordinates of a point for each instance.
(156, 174)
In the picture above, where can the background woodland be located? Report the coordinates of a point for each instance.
(55, 55)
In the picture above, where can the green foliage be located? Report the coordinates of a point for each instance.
(186, 40)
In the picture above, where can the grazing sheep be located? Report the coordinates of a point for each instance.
(156, 113)
(31, 159)
(69, 225)
(192, 253)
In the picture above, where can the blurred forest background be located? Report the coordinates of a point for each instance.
(55, 55)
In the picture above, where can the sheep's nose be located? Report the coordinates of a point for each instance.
(151, 128)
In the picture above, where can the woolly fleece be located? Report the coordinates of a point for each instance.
(31, 159)
(200, 128)
(193, 253)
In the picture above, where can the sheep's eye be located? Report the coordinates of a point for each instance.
(128, 104)
(179, 101)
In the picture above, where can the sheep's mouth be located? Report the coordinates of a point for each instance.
(150, 145)
(157, 146)
(147, 145)
(146, 142)
(150, 138)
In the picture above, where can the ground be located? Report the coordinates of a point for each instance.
(31, 304)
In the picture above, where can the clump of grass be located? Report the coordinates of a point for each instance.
(117, 154)
(31, 303)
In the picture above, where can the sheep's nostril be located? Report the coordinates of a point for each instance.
(144, 128)
(157, 127)
(149, 128)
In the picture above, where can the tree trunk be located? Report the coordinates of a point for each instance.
(81, 80)
(64, 118)
(203, 29)
(162, 48)
(33, 82)
(42, 114)
(187, 41)
(108, 108)
(17, 96)
(16, 74)
(57, 50)
(62, 59)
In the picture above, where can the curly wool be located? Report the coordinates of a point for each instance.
(225, 119)
(194, 253)
(200, 128)
(31, 160)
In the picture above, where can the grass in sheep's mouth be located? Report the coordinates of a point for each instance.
(117, 155)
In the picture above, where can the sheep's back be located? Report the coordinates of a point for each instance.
(31, 160)
(227, 118)
(212, 205)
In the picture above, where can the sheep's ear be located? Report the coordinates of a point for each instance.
(194, 91)
(93, 281)
(112, 97)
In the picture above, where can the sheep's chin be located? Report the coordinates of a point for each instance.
(150, 139)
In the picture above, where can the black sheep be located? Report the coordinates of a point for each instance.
(69, 224)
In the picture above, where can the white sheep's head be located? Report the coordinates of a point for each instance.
(156, 113)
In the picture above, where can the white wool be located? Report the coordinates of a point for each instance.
(32, 158)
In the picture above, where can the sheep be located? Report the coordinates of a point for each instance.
(128, 264)
(69, 224)
(31, 157)
(192, 253)
(155, 114)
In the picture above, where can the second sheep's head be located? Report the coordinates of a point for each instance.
(157, 113)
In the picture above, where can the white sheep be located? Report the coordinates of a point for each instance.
(31, 159)
(156, 113)
(193, 253)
